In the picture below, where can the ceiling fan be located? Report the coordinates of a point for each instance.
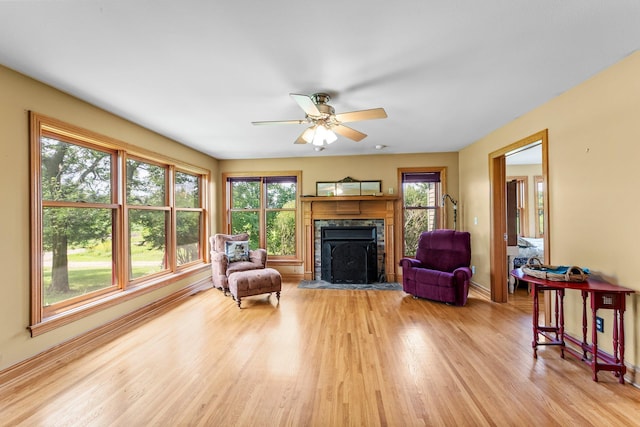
(324, 121)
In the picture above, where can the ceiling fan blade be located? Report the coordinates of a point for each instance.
(280, 122)
(301, 140)
(356, 116)
(306, 103)
(349, 133)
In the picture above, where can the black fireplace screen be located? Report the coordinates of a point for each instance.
(349, 254)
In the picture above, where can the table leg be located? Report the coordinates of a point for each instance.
(594, 344)
(621, 343)
(560, 296)
(535, 319)
(556, 312)
(584, 325)
(616, 341)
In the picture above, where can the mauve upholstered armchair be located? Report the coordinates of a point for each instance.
(440, 271)
(222, 267)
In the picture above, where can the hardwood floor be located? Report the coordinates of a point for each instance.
(323, 358)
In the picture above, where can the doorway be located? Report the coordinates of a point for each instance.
(498, 178)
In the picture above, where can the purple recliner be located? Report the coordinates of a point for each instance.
(440, 270)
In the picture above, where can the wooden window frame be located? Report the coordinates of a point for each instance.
(441, 211)
(202, 247)
(43, 320)
(262, 210)
(537, 180)
(522, 196)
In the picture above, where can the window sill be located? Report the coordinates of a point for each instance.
(284, 261)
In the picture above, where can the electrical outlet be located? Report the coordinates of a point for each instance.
(390, 190)
(599, 324)
(473, 269)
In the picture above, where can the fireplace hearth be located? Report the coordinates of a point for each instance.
(349, 254)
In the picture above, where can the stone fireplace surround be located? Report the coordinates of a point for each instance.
(343, 211)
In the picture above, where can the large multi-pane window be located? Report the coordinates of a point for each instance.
(421, 190)
(106, 221)
(147, 218)
(79, 215)
(189, 218)
(265, 207)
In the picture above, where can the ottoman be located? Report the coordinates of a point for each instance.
(254, 282)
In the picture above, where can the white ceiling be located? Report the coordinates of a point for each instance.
(199, 71)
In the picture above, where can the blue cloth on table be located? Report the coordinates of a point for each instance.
(562, 270)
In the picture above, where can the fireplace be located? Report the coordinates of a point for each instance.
(349, 254)
(349, 211)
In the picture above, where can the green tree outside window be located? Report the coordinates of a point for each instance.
(420, 192)
(269, 204)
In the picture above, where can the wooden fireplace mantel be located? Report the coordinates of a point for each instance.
(349, 207)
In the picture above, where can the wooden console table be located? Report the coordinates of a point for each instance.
(602, 295)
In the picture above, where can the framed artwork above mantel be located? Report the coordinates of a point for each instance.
(348, 187)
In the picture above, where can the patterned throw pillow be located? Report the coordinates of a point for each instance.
(237, 250)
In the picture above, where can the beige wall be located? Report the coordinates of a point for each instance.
(19, 95)
(594, 147)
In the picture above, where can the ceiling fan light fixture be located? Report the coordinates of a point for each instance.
(323, 136)
(330, 137)
(309, 133)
